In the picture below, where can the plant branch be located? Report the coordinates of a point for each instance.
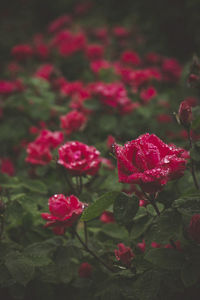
(192, 161)
(92, 253)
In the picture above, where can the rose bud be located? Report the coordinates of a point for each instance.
(142, 246)
(124, 254)
(85, 270)
(185, 114)
(194, 228)
(107, 217)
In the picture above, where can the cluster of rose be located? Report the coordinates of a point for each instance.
(111, 79)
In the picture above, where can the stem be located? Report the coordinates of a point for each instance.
(172, 243)
(192, 162)
(85, 233)
(151, 199)
(92, 253)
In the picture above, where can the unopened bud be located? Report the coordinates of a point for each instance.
(194, 228)
(185, 114)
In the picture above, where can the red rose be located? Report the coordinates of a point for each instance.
(85, 270)
(64, 211)
(38, 154)
(22, 52)
(149, 162)
(194, 228)
(73, 121)
(79, 159)
(94, 51)
(185, 113)
(130, 57)
(50, 139)
(6, 87)
(124, 254)
(171, 69)
(7, 167)
(107, 217)
(142, 246)
(147, 94)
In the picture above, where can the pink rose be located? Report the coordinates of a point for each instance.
(149, 162)
(85, 270)
(64, 211)
(124, 254)
(73, 121)
(79, 159)
(107, 217)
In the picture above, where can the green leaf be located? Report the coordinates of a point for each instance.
(169, 259)
(167, 226)
(107, 123)
(140, 226)
(125, 208)
(147, 286)
(39, 253)
(115, 231)
(34, 186)
(101, 204)
(92, 104)
(20, 267)
(152, 211)
(188, 205)
(190, 273)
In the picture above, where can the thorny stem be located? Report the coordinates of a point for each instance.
(192, 161)
(92, 253)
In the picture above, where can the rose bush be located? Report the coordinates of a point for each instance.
(70, 99)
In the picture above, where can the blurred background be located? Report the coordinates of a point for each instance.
(170, 27)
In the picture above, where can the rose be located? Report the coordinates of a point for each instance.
(194, 228)
(149, 162)
(107, 217)
(38, 154)
(73, 121)
(85, 270)
(124, 254)
(79, 159)
(64, 211)
(185, 114)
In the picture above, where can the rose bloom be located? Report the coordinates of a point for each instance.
(22, 52)
(64, 211)
(79, 159)
(38, 154)
(142, 246)
(58, 23)
(171, 70)
(73, 121)
(107, 217)
(94, 51)
(194, 228)
(45, 71)
(147, 94)
(149, 162)
(49, 138)
(130, 57)
(7, 166)
(6, 87)
(124, 254)
(85, 270)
